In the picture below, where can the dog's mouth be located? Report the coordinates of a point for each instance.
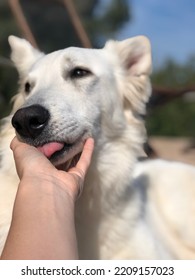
(63, 155)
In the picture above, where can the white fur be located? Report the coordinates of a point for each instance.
(128, 210)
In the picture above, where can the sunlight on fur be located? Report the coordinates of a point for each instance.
(128, 209)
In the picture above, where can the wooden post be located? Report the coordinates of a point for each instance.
(22, 22)
(74, 17)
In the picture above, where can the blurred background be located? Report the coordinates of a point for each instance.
(56, 24)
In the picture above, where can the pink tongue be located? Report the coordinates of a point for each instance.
(50, 148)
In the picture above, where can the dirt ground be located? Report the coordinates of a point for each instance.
(179, 149)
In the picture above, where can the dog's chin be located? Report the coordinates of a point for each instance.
(62, 155)
(67, 157)
(69, 163)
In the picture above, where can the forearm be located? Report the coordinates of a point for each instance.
(43, 223)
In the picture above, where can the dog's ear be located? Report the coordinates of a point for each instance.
(133, 65)
(136, 55)
(23, 54)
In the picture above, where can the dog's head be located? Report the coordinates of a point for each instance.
(71, 94)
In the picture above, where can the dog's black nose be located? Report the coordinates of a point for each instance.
(30, 121)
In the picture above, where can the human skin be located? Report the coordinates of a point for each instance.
(42, 224)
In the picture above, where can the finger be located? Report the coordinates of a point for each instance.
(85, 159)
(21, 149)
(18, 148)
(83, 164)
(28, 158)
(14, 143)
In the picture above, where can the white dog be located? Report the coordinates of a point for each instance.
(128, 210)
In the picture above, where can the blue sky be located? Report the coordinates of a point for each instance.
(169, 24)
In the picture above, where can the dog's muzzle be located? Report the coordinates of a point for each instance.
(32, 126)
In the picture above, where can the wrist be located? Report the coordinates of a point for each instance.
(43, 195)
(44, 184)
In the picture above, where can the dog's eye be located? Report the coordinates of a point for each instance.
(79, 73)
(27, 87)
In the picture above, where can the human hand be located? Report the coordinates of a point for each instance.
(31, 164)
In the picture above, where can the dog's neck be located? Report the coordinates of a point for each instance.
(104, 188)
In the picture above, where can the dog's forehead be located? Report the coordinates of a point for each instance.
(93, 59)
(73, 57)
(81, 54)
